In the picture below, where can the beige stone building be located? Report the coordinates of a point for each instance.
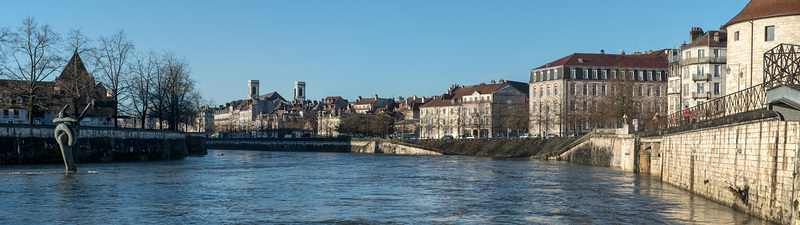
(759, 27)
(489, 110)
(700, 70)
(568, 96)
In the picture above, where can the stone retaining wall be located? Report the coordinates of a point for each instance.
(751, 166)
(27, 144)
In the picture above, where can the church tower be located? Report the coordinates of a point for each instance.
(252, 89)
(300, 91)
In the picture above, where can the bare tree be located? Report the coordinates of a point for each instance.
(112, 59)
(175, 100)
(144, 69)
(33, 52)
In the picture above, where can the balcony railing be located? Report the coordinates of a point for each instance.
(701, 77)
(703, 60)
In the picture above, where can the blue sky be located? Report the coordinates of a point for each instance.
(363, 48)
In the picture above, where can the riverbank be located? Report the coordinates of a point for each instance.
(35, 144)
(539, 148)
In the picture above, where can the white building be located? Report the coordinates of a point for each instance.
(701, 70)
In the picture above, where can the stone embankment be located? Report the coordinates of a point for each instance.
(31, 144)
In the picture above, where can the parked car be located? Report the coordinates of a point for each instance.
(552, 135)
(470, 137)
(525, 135)
(447, 137)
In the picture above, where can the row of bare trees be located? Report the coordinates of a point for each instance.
(147, 85)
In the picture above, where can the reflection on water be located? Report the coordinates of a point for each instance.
(291, 187)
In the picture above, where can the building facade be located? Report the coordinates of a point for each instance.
(489, 110)
(583, 91)
(701, 69)
(759, 27)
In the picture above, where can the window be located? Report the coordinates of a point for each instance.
(736, 36)
(658, 75)
(5, 113)
(603, 74)
(700, 89)
(641, 91)
(548, 90)
(594, 90)
(613, 74)
(650, 75)
(716, 70)
(8, 100)
(716, 88)
(769, 33)
(549, 75)
(701, 53)
(641, 75)
(572, 106)
(585, 106)
(572, 89)
(649, 91)
(555, 89)
(716, 53)
(632, 75)
(585, 74)
(701, 70)
(658, 91)
(534, 92)
(19, 100)
(541, 91)
(16, 113)
(585, 89)
(594, 74)
(572, 74)
(603, 90)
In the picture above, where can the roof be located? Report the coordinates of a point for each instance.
(708, 40)
(758, 9)
(440, 103)
(653, 60)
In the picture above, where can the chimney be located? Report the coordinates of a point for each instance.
(696, 33)
(376, 96)
(492, 82)
(623, 52)
(359, 98)
(602, 51)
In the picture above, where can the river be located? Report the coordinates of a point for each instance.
(251, 187)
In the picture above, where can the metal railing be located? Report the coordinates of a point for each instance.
(781, 66)
(749, 99)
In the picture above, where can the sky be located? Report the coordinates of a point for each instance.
(354, 48)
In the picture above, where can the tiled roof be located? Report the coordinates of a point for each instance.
(708, 40)
(439, 103)
(758, 9)
(652, 60)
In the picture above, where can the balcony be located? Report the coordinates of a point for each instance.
(673, 59)
(703, 60)
(673, 90)
(706, 95)
(701, 77)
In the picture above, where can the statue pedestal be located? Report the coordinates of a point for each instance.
(66, 152)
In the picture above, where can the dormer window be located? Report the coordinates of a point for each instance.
(19, 100)
(8, 100)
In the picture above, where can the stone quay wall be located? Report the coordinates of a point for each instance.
(751, 166)
(31, 144)
(282, 144)
(615, 149)
(317, 145)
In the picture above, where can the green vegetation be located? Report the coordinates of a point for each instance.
(508, 147)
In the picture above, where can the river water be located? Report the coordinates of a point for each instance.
(247, 187)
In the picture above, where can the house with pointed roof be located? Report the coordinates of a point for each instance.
(565, 93)
(75, 86)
